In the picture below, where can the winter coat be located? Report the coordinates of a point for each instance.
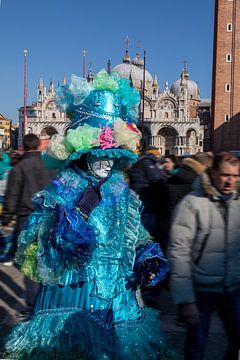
(204, 252)
(180, 184)
(25, 179)
(176, 187)
(145, 178)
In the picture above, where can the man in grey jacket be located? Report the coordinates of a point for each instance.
(204, 256)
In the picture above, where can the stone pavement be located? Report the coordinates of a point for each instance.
(12, 303)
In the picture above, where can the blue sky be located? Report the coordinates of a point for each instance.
(55, 32)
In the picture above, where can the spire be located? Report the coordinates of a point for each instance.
(126, 58)
(84, 63)
(40, 84)
(40, 90)
(184, 74)
(65, 79)
(166, 86)
(90, 76)
(126, 41)
(137, 60)
(155, 82)
(51, 88)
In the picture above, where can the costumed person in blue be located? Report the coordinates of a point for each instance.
(85, 241)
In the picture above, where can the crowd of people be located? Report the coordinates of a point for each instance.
(103, 233)
(199, 235)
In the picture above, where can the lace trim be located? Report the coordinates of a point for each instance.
(93, 314)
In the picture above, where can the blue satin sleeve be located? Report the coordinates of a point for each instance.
(149, 261)
(74, 237)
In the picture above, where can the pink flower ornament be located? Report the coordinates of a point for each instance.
(105, 138)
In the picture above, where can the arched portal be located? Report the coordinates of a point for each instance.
(167, 137)
(48, 132)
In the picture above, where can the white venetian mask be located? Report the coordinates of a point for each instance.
(100, 166)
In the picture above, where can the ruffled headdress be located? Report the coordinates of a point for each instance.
(104, 115)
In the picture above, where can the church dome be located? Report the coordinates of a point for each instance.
(192, 88)
(125, 70)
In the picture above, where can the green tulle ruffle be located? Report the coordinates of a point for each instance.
(30, 264)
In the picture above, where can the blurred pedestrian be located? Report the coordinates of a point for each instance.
(5, 237)
(145, 178)
(15, 156)
(5, 167)
(25, 179)
(176, 187)
(204, 256)
(205, 158)
(170, 164)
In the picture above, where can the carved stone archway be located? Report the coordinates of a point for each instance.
(167, 140)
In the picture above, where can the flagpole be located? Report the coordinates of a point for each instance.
(143, 93)
(25, 93)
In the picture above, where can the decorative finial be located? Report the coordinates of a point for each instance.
(41, 85)
(185, 65)
(84, 63)
(184, 71)
(90, 76)
(126, 58)
(138, 48)
(155, 82)
(51, 87)
(126, 42)
(166, 86)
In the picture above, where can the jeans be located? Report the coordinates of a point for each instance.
(227, 305)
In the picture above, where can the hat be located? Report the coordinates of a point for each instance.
(104, 114)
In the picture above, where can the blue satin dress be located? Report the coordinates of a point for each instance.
(87, 308)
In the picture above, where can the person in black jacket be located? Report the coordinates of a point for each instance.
(177, 186)
(25, 179)
(145, 178)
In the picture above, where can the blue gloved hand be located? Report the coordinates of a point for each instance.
(90, 198)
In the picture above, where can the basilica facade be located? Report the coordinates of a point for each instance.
(171, 119)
